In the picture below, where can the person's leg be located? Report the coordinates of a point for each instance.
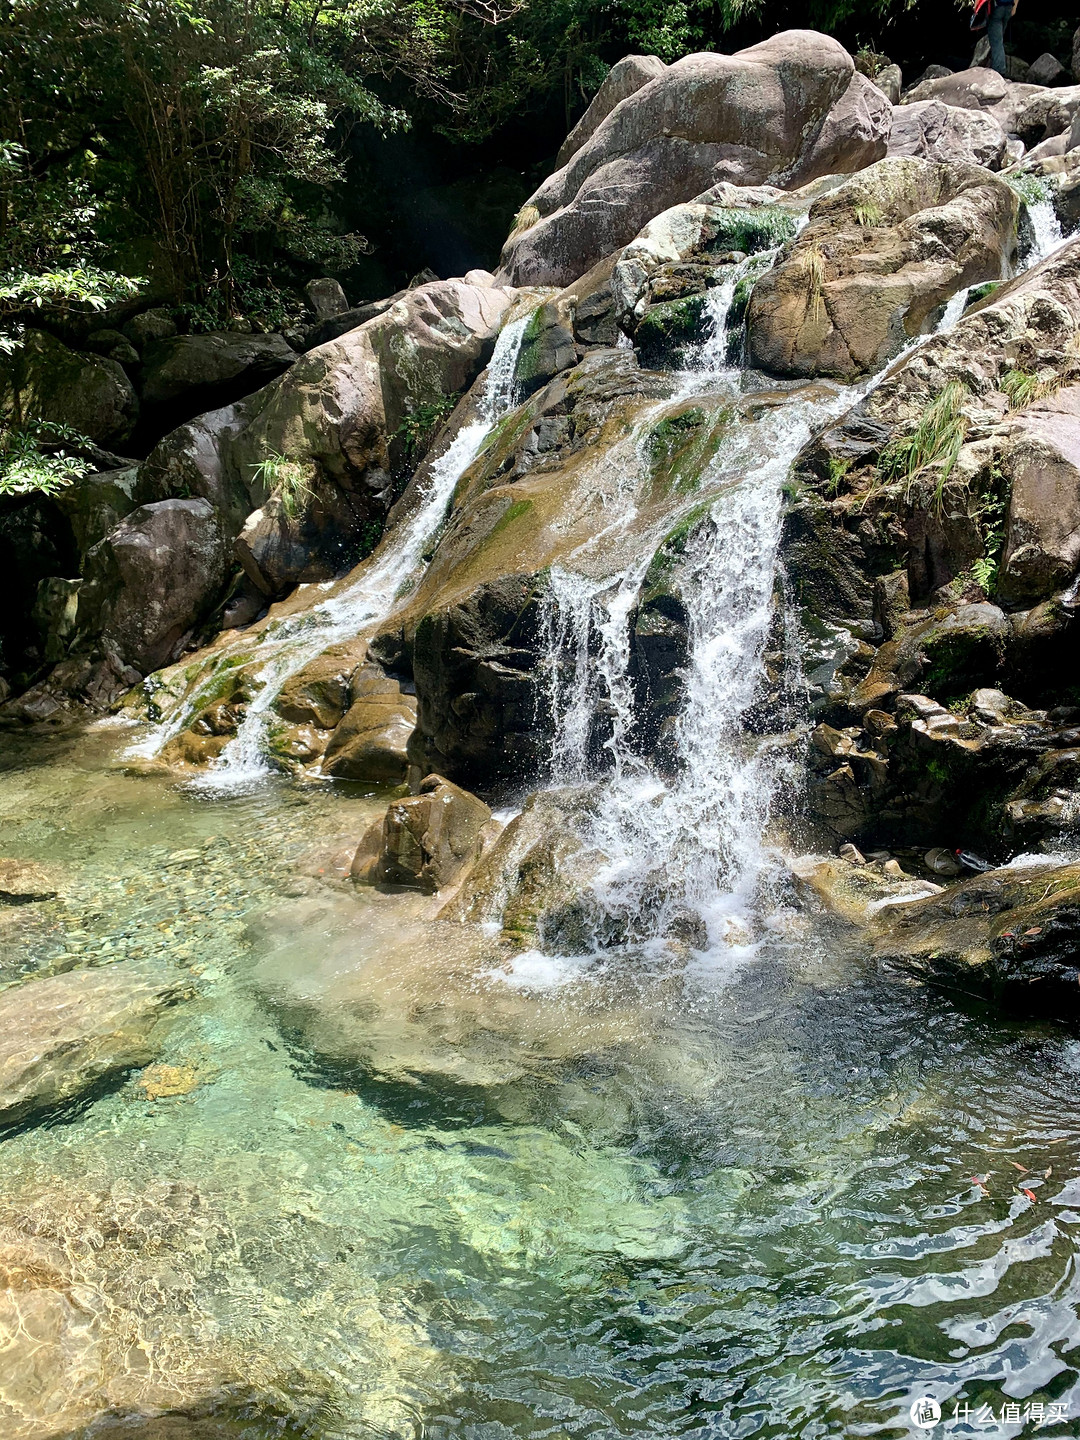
(995, 33)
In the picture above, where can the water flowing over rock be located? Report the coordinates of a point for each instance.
(706, 119)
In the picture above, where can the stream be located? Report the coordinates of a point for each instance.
(403, 1191)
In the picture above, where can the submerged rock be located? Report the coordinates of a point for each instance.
(23, 881)
(61, 1036)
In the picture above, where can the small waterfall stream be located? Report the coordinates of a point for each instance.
(297, 640)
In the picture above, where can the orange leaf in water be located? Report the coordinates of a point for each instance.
(1016, 1166)
(1029, 1193)
(1035, 930)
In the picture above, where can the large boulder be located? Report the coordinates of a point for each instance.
(933, 130)
(781, 112)
(186, 374)
(63, 1035)
(425, 841)
(1040, 459)
(193, 461)
(879, 258)
(626, 77)
(45, 380)
(1031, 112)
(152, 579)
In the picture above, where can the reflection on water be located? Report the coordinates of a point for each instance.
(391, 1195)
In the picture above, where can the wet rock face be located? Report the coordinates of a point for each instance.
(1012, 935)
(933, 551)
(877, 260)
(707, 118)
(61, 1036)
(533, 879)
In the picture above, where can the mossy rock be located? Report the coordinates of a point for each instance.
(668, 330)
(751, 231)
(682, 446)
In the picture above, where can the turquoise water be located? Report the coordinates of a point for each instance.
(402, 1197)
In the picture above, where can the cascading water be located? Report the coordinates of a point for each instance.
(297, 640)
(694, 839)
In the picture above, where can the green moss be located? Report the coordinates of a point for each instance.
(681, 447)
(668, 329)
(670, 552)
(1032, 189)
(512, 513)
(980, 292)
(762, 228)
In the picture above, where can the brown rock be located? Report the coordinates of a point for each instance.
(1041, 459)
(878, 259)
(426, 840)
(625, 78)
(933, 130)
(786, 111)
(370, 742)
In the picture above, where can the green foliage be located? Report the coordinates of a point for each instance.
(419, 428)
(290, 482)
(936, 440)
(33, 460)
(868, 214)
(1031, 188)
(1023, 387)
(838, 469)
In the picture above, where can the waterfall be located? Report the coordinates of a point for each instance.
(693, 838)
(1047, 231)
(298, 639)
